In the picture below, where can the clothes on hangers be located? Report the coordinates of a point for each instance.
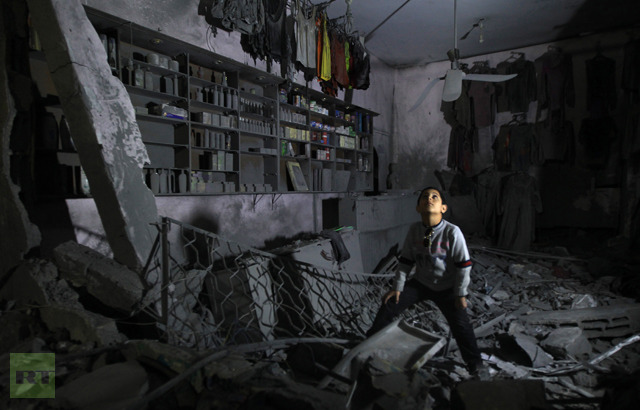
(602, 93)
(557, 138)
(324, 49)
(338, 59)
(460, 154)
(486, 194)
(502, 99)
(481, 94)
(518, 202)
(522, 89)
(597, 136)
(306, 36)
(554, 70)
(360, 65)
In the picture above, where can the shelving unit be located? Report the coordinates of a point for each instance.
(212, 125)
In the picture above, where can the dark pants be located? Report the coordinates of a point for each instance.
(458, 320)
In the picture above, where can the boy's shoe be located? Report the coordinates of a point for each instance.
(480, 372)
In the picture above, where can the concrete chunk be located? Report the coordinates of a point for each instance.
(83, 326)
(35, 283)
(566, 341)
(108, 281)
(603, 321)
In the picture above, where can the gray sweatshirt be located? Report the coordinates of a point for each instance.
(444, 264)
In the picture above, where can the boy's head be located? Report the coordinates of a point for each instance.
(431, 201)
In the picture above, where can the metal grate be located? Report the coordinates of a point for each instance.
(206, 291)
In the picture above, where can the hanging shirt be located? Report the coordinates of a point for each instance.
(518, 204)
(306, 37)
(554, 71)
(338, 60)
(482, 94)
(522, 89)
(274, 27)
(601, 85)
(360, 66)
(324, 45)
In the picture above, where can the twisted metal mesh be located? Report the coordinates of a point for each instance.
(206, 291)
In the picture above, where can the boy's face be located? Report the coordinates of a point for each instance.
(430, 202)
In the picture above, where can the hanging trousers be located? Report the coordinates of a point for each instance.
(458, 319)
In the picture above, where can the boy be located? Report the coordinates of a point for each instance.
(439, 251)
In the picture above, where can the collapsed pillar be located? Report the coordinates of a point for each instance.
(102, 122)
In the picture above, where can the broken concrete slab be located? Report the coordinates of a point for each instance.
(402, 345)
(565, 342)
(101, 117)
(529, 344)
(111, 283)
(114, 386)
(603, 321)
(83, 326)
(35, 283)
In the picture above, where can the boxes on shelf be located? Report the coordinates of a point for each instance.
(347, 142)
(229, 186)
(169, 111)
(141, 110)
(229, 161)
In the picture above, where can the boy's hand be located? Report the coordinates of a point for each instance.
(461, 302)
(391, 294)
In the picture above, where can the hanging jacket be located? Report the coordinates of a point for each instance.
(338, 59)
(244, 16)
(274, 28)
(360, 65)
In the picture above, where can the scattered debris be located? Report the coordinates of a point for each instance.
(550, 333)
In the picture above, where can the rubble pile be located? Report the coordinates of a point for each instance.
(551, 332)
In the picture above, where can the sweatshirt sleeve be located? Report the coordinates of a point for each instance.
(406, 261)
(462, 263)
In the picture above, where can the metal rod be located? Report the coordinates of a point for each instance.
(455, 26)
(370, 34)
(164, 229)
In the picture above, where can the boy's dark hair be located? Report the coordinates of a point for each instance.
(444, 200)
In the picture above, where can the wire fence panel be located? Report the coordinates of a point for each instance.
(206, 291)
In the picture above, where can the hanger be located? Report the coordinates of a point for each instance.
(518, 118)
(515, 56)
(480, 67)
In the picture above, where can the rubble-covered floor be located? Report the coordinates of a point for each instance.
(558, 328)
